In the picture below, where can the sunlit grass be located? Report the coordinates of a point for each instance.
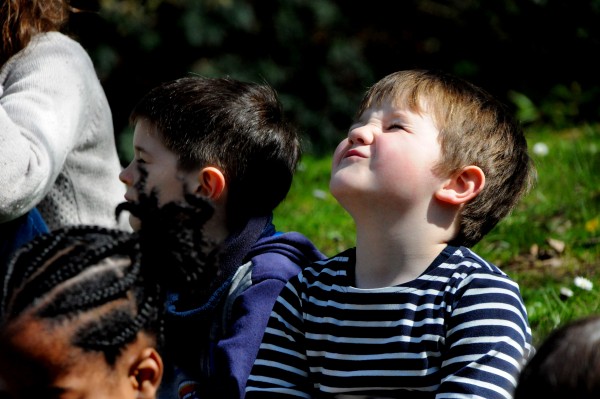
(563, 206)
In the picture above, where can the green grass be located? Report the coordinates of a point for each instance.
(564, 206)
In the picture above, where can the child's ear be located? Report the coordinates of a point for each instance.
(212, 182)
(146, 374)
(462, 186)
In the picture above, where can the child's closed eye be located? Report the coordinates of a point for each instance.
(395, 126)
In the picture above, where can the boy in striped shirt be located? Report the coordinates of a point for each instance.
(431, 164)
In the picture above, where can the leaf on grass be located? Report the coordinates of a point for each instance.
(534, 250)
(552, 262)
(557, 245)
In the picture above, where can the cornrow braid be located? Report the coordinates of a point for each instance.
(85, 248)
(99, 290)
(32, 259)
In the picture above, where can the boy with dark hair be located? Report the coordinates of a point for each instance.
(226, 141)
(429, 166)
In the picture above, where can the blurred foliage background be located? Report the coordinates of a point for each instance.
(538, 56)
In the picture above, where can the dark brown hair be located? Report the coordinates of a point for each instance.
(237, 126)
(566, 364)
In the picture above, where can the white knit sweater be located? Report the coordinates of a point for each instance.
(57, 144)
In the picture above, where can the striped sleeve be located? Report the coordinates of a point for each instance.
(487, 339)
(281, 365)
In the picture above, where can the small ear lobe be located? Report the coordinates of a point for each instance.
(463, 186)
(212, 182)
(147, 373)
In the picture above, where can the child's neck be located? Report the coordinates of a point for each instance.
(216, 227)
(391, 255)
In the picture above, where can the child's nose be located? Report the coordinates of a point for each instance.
(125, 176)
(360, 135)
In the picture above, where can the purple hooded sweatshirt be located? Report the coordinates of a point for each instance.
(217, 342)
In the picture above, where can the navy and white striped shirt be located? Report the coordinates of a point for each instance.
(458, 330)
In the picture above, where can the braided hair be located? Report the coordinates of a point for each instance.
(123, 277)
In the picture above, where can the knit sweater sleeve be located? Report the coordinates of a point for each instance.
(40, 109)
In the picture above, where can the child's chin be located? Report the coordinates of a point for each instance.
(134, 222)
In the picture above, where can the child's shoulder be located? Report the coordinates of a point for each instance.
(464, 269)
(466, 260)
(345, 257)
(282, 255)
(342, 263)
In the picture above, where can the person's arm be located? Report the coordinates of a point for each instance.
(281, 367)
(40, 107)
(488, 339)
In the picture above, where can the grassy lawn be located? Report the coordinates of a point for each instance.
(550, 244)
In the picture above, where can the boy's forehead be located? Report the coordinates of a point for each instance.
(395, 106)
(145, 127)
(398, 96)
(148, 138)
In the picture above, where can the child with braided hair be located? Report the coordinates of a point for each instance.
(82, 307)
